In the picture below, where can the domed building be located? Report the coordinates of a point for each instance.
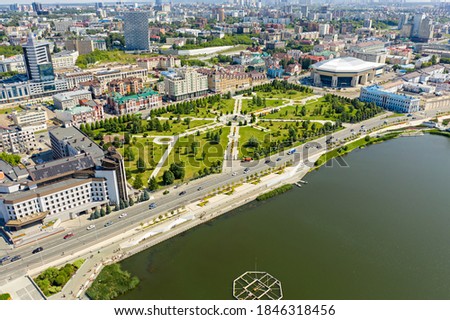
(345, 72)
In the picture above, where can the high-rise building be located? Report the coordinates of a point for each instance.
(403, 20)
(137, 35)
(158, 5)
(38, 60)
(37, 7)
(418, 18)
(426, 30)
(324, 29)
(368, 23)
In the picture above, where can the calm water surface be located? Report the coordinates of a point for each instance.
(379, 229)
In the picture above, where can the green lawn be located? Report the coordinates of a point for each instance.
(278, 133)
(248, 106)
(193, 163)
(317, 109)
(176, 128)
(149, 151)
(224, 105)
(290, 94)
(9, 110)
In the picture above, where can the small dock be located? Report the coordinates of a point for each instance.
(298, 184)
(303, 181)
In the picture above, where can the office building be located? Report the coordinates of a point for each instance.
(22, 118)
(70, 99)
(390, 101)
(136, 30)
(38, 60)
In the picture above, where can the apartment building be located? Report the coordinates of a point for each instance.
(15, 140)
(222, 80)
(126, 86)
(159, 63)
(184, 83)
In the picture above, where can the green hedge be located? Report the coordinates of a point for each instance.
(5, 296)
(52, 280)
(111, 283)
(274, 192)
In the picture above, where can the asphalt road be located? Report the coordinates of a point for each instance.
(55, 246)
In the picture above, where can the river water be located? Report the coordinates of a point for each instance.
(377, 229)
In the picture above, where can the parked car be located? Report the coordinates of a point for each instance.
(69, 235)
(92, 226)
(267, 161)
(278, 159)
(38, 249)
(6, 258)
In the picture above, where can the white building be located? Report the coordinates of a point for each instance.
(184, 83)
(70, 99)
(64, 59)
(391, 101)
(14, 140)
(14, 63)
(29, 117)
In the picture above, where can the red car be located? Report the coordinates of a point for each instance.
(67, 236)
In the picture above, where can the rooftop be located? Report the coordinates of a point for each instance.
(61, 166)
(346, 64)
(143, 94)
(77, 140)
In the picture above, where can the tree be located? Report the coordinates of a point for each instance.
(178, 170)
(137, 183)
(128, 154)
(127, 138)
(131, 202)
(194, 146)
(152, 186)
(96, 214)
(145, 195)
(108, 209)
(168, 177)
(140, 164)
(102, 212)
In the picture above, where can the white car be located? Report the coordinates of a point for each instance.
(234, 173)
(92, 226)
(123, 215)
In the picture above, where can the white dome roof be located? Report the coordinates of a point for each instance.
(346, 64)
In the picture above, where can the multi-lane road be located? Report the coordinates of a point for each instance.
(56, 247)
